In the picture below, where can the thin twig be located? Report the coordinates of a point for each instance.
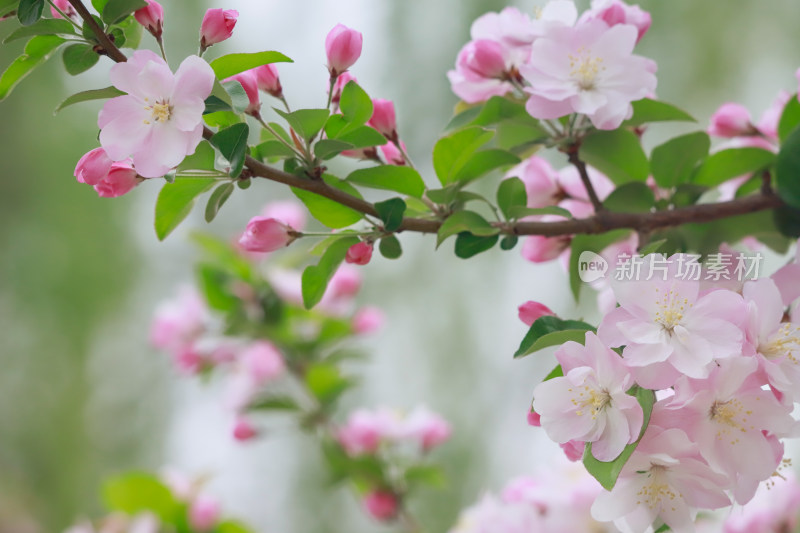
(108, 46)
(572, 152)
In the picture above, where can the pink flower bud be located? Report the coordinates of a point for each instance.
(64, 6)
(243, 430)
(121, 179)
(360, 253)
(614, 12)
(484, 58)
(217, 26)
(151, 17)
(392, 154)
(427, 427)
(289, 212)
(368, 320)
(265, 235)
(731, 120)
(343, 48)
(531, 311)
(383, 118)
(534, 419)
(263, 361)
(573, 449)
(345, 283)
(381, 505)
(249, 82)
(268, 80)
(204, 513)
(339, 86)
(93, 167)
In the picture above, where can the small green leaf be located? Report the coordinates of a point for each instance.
(42, 27)
(29, 11)
(647, 110)
(99, 5)
(229, 526)
(390, 248)
(731, 163)
(116, 11)
(511, 194)
(363, 137)
(217, 199)
(451, 153)
(672, 163)
(37, 51)
(616, 153)
(272, 149)
(332, 214)
(328, 148)
(635, 197)
(509, 242)
(274, 403)
(131, 31)
(136, 492)
(232, 144)
(239, 99)
(787, 170)
(355, 105)
(557, 372)
(465, 221)
(214, 104)
(468, 245)
(306, 122)
(79, 58)
(664, 528)
(316, 277)
(88, 32)
(425, 475)
(231, 64)
(391, 212)
(483, 162)
(551, 331)
(86, 96)
(7, 6)
(497, 109)
(404, 180)
(175, 202)
(203, 158)
(790, 118)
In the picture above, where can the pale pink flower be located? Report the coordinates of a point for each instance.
(262, 361)
(368, 320)
(65, 7)
(573, 449)
(589, 403)
(204, 513)
(359, 254)
(343, 48)
(249, 81)
(427, 428)
(160, 120)
(541, 249)
(93, 167)
(731, 120)
(588, 69)
(345, 283)
(264, 234)
(768, 122)
(289, 212)
(217, 26)
(510, 27)
(787, 279)
(151, 17)
(735, 423)
(773, 509)
(531, 311)
(614, 12)
(665, 479)
(383, 118)
(180, 321)
(268, 80)
(541, 181)
(484, 68)
(569, 180)
(381, 505)
(365, 430)
(495, 516)
(668, 328)
(121, 179)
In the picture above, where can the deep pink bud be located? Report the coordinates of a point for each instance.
(268, 80)
(731, 120)
(64, 6)
(217, 26)
(485, 58)
(343, 48)
(381, 505)
(531, 311)
(151, 17)
(249, 82)
(121, 179)
(93, 167)
(360, 253)
(383, 118)
(339, 86)
(392, 155)
(289, 212)
(619, 12)
(243, 430)
(534, 419)
(368, 320)
(204, 513)
(265, 235)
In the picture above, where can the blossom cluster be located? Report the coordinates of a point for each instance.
(723, 364)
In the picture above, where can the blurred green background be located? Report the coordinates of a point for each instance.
(82, 396)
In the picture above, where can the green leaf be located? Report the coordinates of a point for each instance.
(663, 529)
(509, 242)
(327, 148)
(635, 197)
(608, 472)
(425, 475)
(37, 51)
(590, 243)
(497, 109)
(511, 194)
(86, 96)
(214, 104)
(136, 492)
(7, 6)
(355, 105)
(217, 199)
(391, 212)
(332, 214)
(232, 144)
(203, 158)
(88, 32)
(222, 119)
(363, 137)
(79, 58)
(99, 5)
(616, 153)
(272, 149)
(42, 27)
(239, 99)
(465, 221)
(274, 403)
(316, 277)
(131, 33)
(483, 162)
(306, 122)
(551, 331)
(215, 286)
(404, 180)
(790, 118)
(468, 245)
(175, 202)
(647, 110)
(231, 64)
(390, 248)
(29, 11)
(672, 163)
(787, 170)
(229, 526)
(451, 153)
(116, 11)
(557, 372)
(731, 163)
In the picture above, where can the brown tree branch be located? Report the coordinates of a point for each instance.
(108, 45)
(572, 153)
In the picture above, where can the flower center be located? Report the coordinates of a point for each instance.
(657, 492)
(670, 310)
(784, 342)
(159, 112)
(585, 68)
(592, 399)
(730, 416)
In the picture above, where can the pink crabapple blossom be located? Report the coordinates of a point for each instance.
(93, 167)
(774, 508)
(180, 321)
(392, 154)
(368, 320)
(244, 430)
(427, 428)
(382, 505)
(204, 513)
(160, 120)
(265, 234)
(614, 12)
(262, 361)
(268, 80)
(731, 120)
(217, 26)
(484, 68)
(359, 254)
(65, 7)
(343, 48)
(120, 180)
(151, 17)
(289, 212)
(383, 118)
(531, 311)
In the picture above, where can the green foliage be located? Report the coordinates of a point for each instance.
(390, 248)
(468, 245)
(391, 213)
(42, 27)
(7, 6)
(402, 179)
(202, 159)
(787, 170)
(425, 476)
(29, 11)
(496, 111)
(608, 472)
(355, 105)
(238, 97)
(326, 383)
(452, 153)
(86, 96)
(672, 163)
(175, 202)
(316, 277)
(306, 122)
(274, 403)
(647, 110)
(465, 221)
(79, 58)
(616, 153)
(231, 64)
(232, 144)
(790, 118)
(731, 163)
(217, 199)
(634, 197)
(483, 162)
(557, 372)
(552, 331)
(115, 11)
(135, 492)
(511, 194)
(37, 51)
(331, 213)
